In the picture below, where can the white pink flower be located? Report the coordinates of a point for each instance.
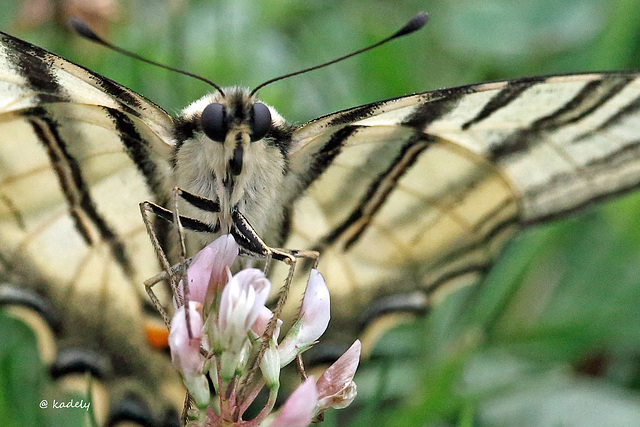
(315, 311)
(220, 347)
(184, 343)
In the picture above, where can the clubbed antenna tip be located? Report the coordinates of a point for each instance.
(414, 24)
(83, 29)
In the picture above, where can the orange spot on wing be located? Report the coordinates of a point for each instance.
(157, 335)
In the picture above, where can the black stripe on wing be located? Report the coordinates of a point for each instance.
(64, 166)
(430, 111)
(611, 160)
(329, 151)
(30, 62)
(419, 118)
(138, 150)
(74, 187)
(624, 112)
(36, 66)
(575, 208)
(379, 190)
(352, 115)
(591, 97)
(506, 96)
(512, 222)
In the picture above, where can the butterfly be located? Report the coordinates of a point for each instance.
(415, 195)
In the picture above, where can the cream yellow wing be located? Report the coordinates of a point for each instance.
(419, 194)
(78, 153)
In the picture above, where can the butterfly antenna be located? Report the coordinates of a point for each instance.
(414, 24)
(83, 30)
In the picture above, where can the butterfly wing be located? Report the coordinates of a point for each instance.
(420, 193)
(78, 153)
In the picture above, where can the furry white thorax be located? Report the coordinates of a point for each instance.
(202, 164)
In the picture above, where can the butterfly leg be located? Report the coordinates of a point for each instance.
(178, 223)
(182, 298)
(170, 272)
(249, 240)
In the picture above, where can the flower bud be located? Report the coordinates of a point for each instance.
(185, 351)
(312, 321)
(208, 269)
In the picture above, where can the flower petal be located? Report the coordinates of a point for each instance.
(315, 310)
(185, 350)
(336, 387)
(260, 325)
(208, 269)
(270, 366)
(227, 253)
(241, 303)
(298, 409)
(340, 400)
(312, 321)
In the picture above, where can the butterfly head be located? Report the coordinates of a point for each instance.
(219, 118)
(231, 123)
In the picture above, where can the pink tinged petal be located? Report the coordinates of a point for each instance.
(340, 400)
(315, 311)
(185, 350)
(260, 325)
(312, 322)
(297, 411)
(336, 387)
(227, 254)
(199, 275)
(208, 269)
(241, 303)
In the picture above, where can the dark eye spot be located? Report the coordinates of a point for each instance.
(214, 122)
(260, 121)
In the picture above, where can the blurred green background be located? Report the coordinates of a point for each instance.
(552, 336)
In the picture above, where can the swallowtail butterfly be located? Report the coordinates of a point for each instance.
(416, 194)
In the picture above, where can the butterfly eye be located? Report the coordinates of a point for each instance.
(213, 122)
(260, 121)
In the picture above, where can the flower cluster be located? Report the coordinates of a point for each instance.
(224, 331)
